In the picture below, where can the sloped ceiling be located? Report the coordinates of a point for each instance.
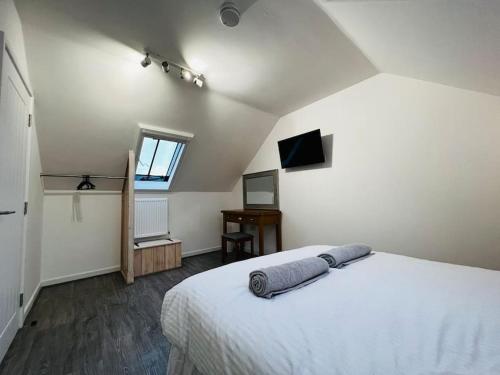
(453, 42)
(91, 91)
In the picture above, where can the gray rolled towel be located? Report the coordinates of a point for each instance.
(345, 254)
(270, 281)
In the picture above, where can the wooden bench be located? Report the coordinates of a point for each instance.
(157, 256)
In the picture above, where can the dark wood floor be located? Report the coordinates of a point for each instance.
(99, 325)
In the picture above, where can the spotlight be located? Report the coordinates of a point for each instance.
(186, 74)
(165, 67)
(198, 81)
(146, 62)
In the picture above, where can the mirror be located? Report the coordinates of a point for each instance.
(260, 190)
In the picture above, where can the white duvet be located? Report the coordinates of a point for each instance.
(386, 314)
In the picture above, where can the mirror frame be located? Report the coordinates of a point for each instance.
(275, 205)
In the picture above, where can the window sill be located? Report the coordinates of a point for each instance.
(151, 191)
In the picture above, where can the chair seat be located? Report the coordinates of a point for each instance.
(237, 236)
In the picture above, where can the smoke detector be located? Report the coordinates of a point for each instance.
(229, 14)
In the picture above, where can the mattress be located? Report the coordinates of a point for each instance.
(386, 314)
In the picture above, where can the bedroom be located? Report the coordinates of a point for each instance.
(406, 97)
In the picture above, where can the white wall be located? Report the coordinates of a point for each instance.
(73, 248)
(10, 24)
(415, 171)
(195, 218)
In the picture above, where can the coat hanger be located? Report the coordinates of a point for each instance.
(85, 184)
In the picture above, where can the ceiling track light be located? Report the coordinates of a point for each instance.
(198, 81)
(146, 61)
(185, 73)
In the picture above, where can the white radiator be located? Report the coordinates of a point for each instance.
(151, 217)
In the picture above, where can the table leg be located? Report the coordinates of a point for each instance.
(224, 226)
(278, 237)
(261, 239)
(224, 250)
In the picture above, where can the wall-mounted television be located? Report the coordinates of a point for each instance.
(303, 149)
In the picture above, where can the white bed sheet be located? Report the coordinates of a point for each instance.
(386, 314)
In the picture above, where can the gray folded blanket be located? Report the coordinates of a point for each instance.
(270, 281)
(340, 256)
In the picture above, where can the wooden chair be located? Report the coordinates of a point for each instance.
(238, 239)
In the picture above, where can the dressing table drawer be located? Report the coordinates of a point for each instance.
(245, 219)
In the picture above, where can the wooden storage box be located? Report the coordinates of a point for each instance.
(156, 256)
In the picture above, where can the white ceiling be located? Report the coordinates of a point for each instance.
(91, 91)
(283, 55)
(454, 42)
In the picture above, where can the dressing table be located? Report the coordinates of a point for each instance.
(257, 217)
(261, 206)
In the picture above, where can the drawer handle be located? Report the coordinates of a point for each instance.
(251, 219)
(240, 218)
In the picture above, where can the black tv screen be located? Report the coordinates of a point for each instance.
(302, 149)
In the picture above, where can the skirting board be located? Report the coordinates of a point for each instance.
(191, 253)
(103, 271)
(29, 304)
(78, 276)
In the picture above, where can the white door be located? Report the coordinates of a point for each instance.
(14, 112)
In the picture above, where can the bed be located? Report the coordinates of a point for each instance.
(386, 314)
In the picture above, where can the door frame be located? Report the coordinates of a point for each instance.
(27, 146)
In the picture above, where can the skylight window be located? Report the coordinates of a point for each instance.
(157, 163)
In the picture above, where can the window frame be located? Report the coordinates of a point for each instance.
(159, 134)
